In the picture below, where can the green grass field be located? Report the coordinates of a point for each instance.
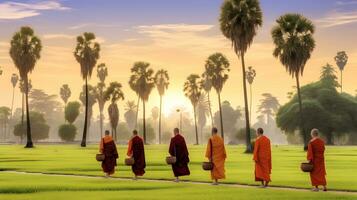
(71, 159)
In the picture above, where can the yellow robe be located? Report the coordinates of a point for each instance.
(218, 156)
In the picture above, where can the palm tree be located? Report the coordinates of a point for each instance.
(192, 89)
(114, 93)
(341, 60)
(202, 113)
(217, 67)
(65, 93)
(143, 82)
(25, 49)
(206, 84)
(14, 80)
(91, 100)
(86, 54)
(269, 105)
(102, 73)
(129, 115)
(250, 74)
(294, 43)
(239, 22)
(162, 83)
(135, 87)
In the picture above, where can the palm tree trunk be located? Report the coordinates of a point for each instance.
(220, 114)
(144, 123)
(22, 116)
(341, 81)
(84, 137)
(137, 112)
(101, 123)
(160, 120)
(194, 113)
(29, 143)
(247, 123)
(210, 109)
(12, 102)
(251, 102)
(302, 125)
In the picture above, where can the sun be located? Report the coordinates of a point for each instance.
(173, 101)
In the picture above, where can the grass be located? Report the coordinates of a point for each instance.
(42, 187)
(71, 159)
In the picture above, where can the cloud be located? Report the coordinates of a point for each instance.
(86, 25)
(58, 36)
(338, 19)
(68, 37)
(345, 3)
(15, 10)
(188, 37)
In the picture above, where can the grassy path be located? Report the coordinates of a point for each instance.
(334, 191)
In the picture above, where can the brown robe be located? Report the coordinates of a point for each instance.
(315, 154)
(262, 158)
(109, 149)
(178, 148)
(136, 150)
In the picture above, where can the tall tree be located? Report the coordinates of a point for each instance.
(5, 113)
(239, 21)
(130, 114)
(341, 60)
(206, 84)
(192, 89)
(294, 43)
(217, 68)
(269, 105)
(114, 93)
(250, 74)
(65, 93)
(162, 83)
(86, 54)
(143, 82)
(14, 80)
(25, 49)
(88, 102)
(202, 113)
(102, 73)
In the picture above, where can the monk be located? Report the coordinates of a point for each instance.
(216, 153)
(315, 154)
(109, 149)
(136, 150)
(178, 148)
(262, 158)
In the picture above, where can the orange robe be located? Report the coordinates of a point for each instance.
(219, 156)
(315, 154)
(262, 158)
(109, 149)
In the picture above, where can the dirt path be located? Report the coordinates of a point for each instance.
(287, 188)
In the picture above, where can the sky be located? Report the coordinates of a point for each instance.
(175, 35)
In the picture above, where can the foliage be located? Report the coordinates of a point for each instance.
(217, 68)
(39, 127)
(67, 132)
(268, 105)
(72, 111)
(230, 118)
(130, 114)
(324, 108)
(239, 21)
(65, 93)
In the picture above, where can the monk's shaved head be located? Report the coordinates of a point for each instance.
(107, 132)
(260, 131)
(315, 132)
(135, 132)
(176, 130)
(214, 130)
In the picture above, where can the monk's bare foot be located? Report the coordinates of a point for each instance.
(107, 176)
(176, 180)
(215, 183)
(315, 189)
(135, 178)
(325, 189)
